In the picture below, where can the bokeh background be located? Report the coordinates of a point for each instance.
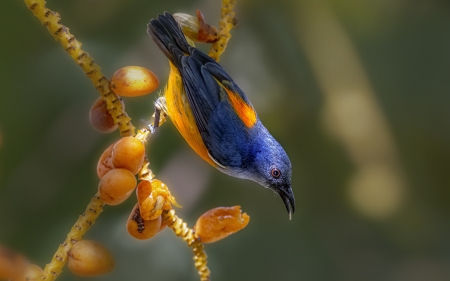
(356, 91)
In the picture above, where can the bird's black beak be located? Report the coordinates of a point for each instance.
(287, 195)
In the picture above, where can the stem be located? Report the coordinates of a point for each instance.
(190, 237)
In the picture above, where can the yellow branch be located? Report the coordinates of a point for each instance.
(61, 33)
(83, 224)
(187, 234)
(227, 22)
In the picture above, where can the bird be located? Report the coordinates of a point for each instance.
(215, 117)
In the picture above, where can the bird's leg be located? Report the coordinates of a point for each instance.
(159, 117)
(149, 127)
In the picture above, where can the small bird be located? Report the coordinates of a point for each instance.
(216, 118)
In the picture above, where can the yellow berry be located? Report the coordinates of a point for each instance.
(104, 164)
(100, 118)
(128, 153)
(116, 186)
(133, 81)
(89, 258)
(142, 229)
(220, 222)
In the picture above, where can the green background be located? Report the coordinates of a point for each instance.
(398, 229)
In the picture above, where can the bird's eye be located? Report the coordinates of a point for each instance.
(275, 173)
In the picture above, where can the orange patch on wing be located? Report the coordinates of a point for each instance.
(245, 111)
(181, 114)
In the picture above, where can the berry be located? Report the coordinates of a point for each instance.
(220, 222)
(116, 186)
(133, 81)
(89, 258)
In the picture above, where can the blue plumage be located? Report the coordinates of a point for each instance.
(234, 136)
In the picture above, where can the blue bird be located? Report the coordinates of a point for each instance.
(216, 118)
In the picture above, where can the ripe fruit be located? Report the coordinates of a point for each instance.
(89, 258)
(128, 153)
(104, 164)
(116, 186)
(133, 81)
(142, 229)
(12, 264)
(100, 118)
(220, 222)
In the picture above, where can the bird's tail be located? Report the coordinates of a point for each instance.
(169, 37)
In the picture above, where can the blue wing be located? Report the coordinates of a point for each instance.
(206, 84)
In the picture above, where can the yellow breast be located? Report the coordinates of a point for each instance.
(181, 114)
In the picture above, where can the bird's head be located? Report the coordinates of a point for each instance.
(272, 168)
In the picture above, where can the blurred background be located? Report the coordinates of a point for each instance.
(357, 92)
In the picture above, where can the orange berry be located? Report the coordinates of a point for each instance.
(220, 222)
(133, 81)
(116, 186)
(104, 164)
(100, 118)
(12, 264)
(128, 153)
(89, 258)
(142, 229)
